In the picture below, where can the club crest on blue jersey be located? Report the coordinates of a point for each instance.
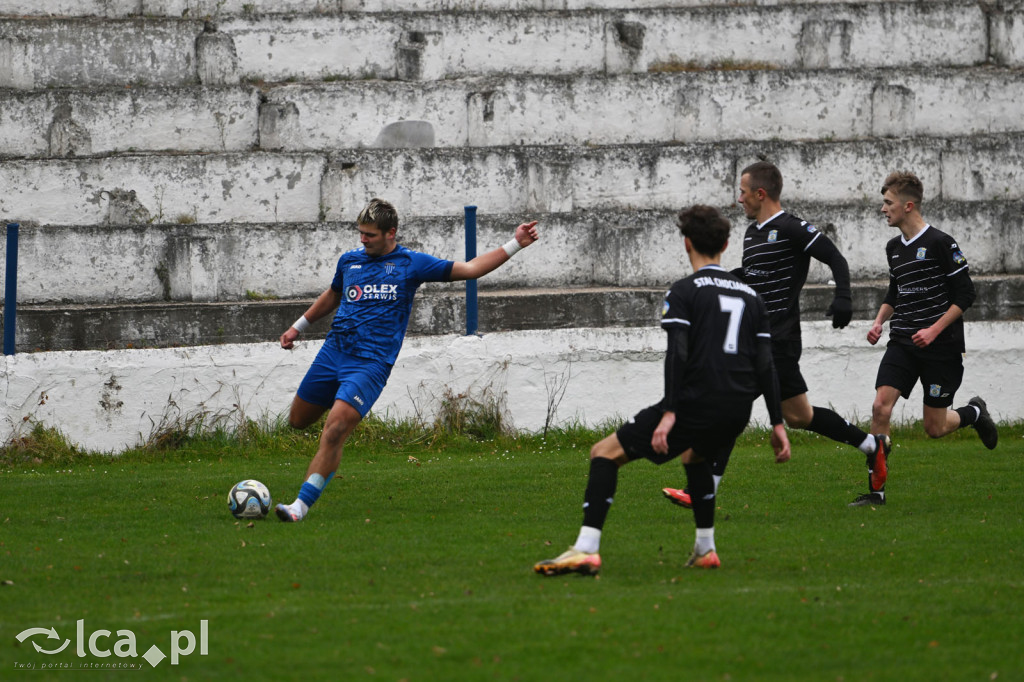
(389, 268)
(922, 253)
(773, 236)
(935, 390)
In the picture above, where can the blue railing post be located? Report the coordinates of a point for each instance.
(11, 290)
(471, 303)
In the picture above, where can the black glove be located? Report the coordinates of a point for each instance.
(841, 311)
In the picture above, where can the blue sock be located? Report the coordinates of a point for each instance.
(311, 489)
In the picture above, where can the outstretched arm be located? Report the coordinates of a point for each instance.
(325, 304)
(525, 235)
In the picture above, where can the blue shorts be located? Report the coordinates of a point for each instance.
(338, 376)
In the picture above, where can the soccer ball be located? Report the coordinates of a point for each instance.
(249, 499)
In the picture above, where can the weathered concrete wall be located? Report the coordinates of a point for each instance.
(439, 309)
(662, 108)
(75, 123)
(655, 108)
(833, 36)
(296, 187)
(557, 180)
(231, 8)
(145, 171)
(108, 401)
(133, 189)
(233, 262)
(85, 52)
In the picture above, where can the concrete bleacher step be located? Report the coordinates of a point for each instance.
(439, 311)
(678, 107)
(279, 187)
(42, 52)
(218, 9)
(84, 122)
(687, 106)
(239, 262)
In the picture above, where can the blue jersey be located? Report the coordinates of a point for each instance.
(376, 299)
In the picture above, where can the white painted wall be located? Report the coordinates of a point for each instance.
(109, 400)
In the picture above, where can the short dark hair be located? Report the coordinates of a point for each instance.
(905, 185)
(766, 176)
(707, 229)
(380, 213)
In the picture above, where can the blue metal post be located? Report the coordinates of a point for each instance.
(471, 303)
(11, 290)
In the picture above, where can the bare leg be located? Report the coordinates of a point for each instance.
(881, 409)
(940, 421)
(340, 422)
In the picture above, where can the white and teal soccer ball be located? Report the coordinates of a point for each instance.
(249, 499)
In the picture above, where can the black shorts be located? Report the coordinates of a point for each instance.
(712, 440)
(786, 356)
(940, 372)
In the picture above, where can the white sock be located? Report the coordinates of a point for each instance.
(718, 479)
(869, 445)
(589, 540)
(705, 540)
(299, 508)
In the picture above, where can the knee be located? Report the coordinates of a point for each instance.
(303, 414)
(335, 433)
(797, 413)
(795, 421)
(880, 410)
(934, 430)
(608, 448)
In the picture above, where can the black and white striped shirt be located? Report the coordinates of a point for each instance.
(927, 275)
(776, 257)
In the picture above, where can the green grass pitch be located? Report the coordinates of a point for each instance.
(416, 565)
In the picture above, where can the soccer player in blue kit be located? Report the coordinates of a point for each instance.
(372, 291)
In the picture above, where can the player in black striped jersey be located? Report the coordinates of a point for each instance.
(777, 252)
(930, 287)
(718, 362)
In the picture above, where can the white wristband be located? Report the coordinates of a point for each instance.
(301, 324)
(512, 247)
